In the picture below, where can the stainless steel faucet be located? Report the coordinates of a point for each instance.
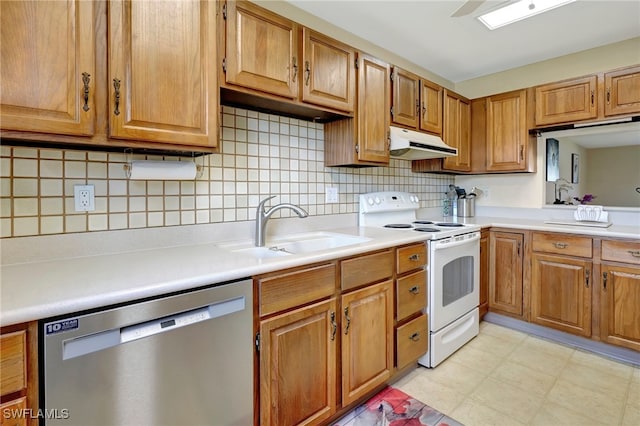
(262, 216)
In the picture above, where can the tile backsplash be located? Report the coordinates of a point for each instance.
(261, 155)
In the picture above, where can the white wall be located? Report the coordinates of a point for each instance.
(609, 177)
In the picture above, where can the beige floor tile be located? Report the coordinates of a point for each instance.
(636, 374)
(502, 332)
(456, 376)
(473, 413)
(435, 395)
(540, 360)
(523, 377)
(631, 416)
(598, 362)
(595, 378)
(476, 359)
(633, 397)
(493, 345)
(551, 348)
(598, 405)
(507, 399)
(410, 376)
(553, 414)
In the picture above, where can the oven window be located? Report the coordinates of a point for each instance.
(457, 279)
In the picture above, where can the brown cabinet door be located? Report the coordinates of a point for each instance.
(457, 131)
(620, 304)
(261, 50)
(431, 107)
(561, 293)
(48, 52)
(404, 110)
(622, 91)
(328, 74)
(367, 339)
(505, 273)
(162, 73)
(566, 101)
(507, 133)
(373, 109)
(298, 357)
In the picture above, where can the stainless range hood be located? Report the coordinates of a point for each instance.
(412, 145)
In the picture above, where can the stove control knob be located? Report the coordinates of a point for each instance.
(370, 201)
(377, 200)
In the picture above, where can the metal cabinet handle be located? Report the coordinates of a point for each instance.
(592, 97)
(346, 314)
(414, 257)
(608, 96)
(414, 290)
(307, 72)
(605, 276)
(415, 337)
(334, 326)
(561, 245)
(116, 86)
(521, 152)
(587, 276)
(519, 244)
(634, 253)
(86, 78)
(295, 69)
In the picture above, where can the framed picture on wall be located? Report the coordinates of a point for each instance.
(553, 161)
(575, 168)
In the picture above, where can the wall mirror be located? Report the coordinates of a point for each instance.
(601, 161)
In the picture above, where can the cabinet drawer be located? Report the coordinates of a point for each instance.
(412, 341)
(562, 244)
(15, 406)
(621, 251)
(13, 362)
(411, 294)
(411, 257)
(288, 290)
(366, 269)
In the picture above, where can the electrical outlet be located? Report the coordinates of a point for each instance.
(84, 198)
(331, 195)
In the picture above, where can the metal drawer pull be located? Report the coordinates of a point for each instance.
(116, 86)
(334, 326)
(561, 245)
(605, 276)
(414, 257)
(634, 253)
(307, 72)
(346, 314)
(295, 69)
(587, 276)
(86, 78)
(414, 290)
(415, 336)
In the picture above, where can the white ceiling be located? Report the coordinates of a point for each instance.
(458, 49)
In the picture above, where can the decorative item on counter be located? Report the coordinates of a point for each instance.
(591, 214)
(558, 186)
(446, 207)
(586, 199)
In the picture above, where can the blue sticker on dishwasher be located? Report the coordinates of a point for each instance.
(61, 326)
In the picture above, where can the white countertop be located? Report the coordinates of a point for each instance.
(51, 284)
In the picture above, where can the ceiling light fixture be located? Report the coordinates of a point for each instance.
(518, 11)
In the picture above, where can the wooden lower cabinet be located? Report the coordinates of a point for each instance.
(561, 293)
(620, 305)
(506, 273)
(298, 358)
(367, 339)
(483, 304)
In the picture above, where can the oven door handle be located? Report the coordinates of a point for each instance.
(475, 237)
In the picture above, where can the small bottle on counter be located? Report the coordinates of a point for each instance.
(446, 206)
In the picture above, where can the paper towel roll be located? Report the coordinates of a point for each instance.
(162, 170)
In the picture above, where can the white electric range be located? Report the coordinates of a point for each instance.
(453, 269)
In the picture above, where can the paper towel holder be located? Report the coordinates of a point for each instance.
(128, 167)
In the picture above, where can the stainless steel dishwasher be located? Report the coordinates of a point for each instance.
(185, 359)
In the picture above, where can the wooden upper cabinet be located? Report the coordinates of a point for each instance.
(373, 109)
(328, 75)
(457, 131)
(622, 91)
(162, 72)
(48, 66)
(406, 98)
(261, 50)
(416, 103)
(566, 101)
(431, 107)
(507, 133)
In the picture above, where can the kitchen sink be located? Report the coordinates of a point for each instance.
(295, 244)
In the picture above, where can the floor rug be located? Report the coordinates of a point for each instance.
(392, 407)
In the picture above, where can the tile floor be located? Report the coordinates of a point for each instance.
(506, 377)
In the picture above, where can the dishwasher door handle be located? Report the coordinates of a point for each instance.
(95, 342)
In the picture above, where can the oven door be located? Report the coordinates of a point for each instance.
(454, 278)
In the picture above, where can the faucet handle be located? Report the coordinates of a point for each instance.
(261, 204)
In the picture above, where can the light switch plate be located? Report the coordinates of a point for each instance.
(331, 195)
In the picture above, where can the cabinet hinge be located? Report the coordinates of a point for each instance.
(224, 65)
(392, 111)
(257, 342)
(391, 76)
(355, 63)
(357, 149)
(224, 11)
